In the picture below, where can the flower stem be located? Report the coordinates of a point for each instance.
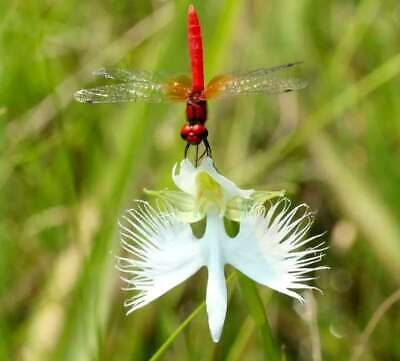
(179, 329)
(257, 311)
(168, 342)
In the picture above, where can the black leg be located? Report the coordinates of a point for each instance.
(203, 154)
(207, 151)
(208, 147)
(186, 150)
(197, 155)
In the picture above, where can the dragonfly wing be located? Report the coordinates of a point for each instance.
(135, 89)
(256, 81)
(124, 75)
(277, 68)
(124, 92)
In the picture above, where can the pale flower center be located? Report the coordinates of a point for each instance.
(209, 194)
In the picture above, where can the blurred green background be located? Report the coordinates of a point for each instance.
(68, 170)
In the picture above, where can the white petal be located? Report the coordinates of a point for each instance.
(266, 248)
(162, 253)
(230, 189)
(185, 179)
(216, 296)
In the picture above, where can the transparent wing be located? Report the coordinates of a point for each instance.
(135, 86)
(256, 81)
(125, 92)
(124, 75)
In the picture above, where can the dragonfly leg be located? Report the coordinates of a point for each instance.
(197, 155)
(203, 154)
(186, 150)
(207, 150)
(208, 147)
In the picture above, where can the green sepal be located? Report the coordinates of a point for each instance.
(236, 207)
(190, 209)
(183, 204)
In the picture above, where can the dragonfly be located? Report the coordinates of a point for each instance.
(132, 86)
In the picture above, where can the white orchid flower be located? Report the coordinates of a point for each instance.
(162, 251)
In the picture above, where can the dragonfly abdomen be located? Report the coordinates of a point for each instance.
(195, 50)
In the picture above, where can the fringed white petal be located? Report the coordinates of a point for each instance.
(185, 179)
(162, 253)
(267, 247)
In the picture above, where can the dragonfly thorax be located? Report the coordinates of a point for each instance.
(196, 110)
(196, 114)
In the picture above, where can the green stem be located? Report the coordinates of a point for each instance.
(257, 311)
(168, 342)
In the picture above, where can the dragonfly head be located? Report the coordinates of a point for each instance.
(194, 134)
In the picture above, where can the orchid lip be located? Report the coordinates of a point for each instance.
(162, 252)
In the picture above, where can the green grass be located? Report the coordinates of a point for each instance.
(68, 170)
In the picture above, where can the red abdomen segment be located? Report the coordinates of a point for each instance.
(195, 51)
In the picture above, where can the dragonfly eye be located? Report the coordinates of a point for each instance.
(194, 133)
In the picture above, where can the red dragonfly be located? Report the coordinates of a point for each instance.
(139, 85)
